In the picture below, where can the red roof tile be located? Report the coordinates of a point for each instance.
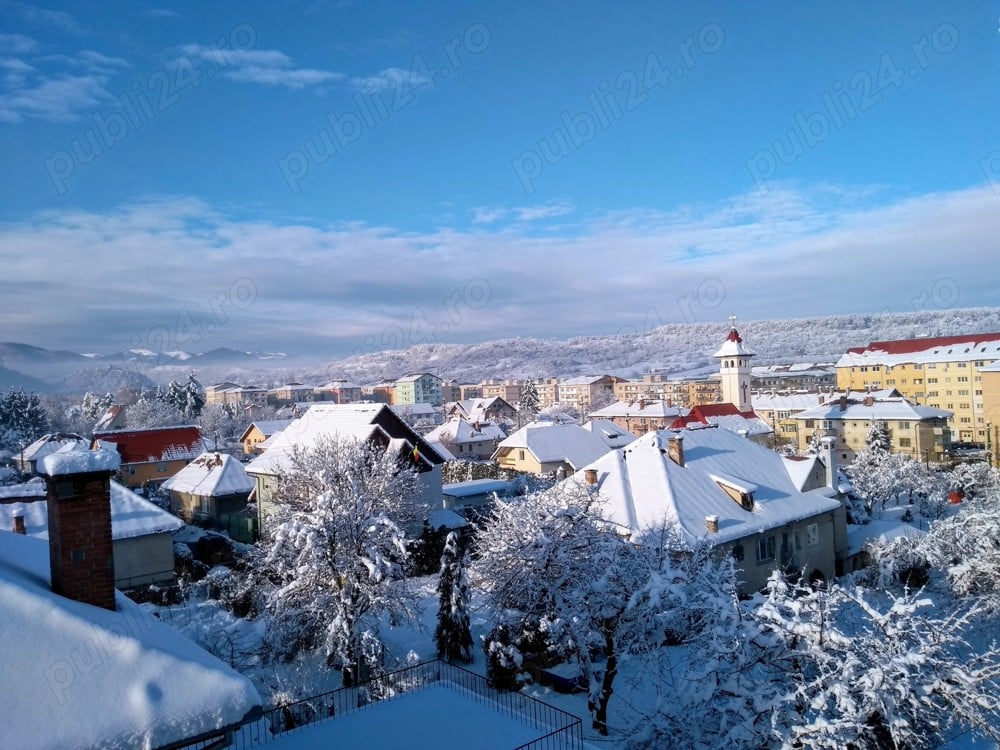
(157, 444)
(909, 346)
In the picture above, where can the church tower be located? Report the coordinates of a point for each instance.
(734, 366)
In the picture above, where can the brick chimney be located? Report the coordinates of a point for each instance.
(843, 403)
(675, 449)
(79, 509)
(19, 522)
(869, 401)
(712, 524)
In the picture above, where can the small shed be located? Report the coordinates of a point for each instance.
(210, 491)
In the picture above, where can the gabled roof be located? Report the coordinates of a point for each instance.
(642, 487)
(800, 468)
(414, 376)
(50, 444)
(352, 421)
(583, 380)
(91, 677)
(266, 427)
(131, 515)
(461, 432)
(551, 442)
(724, 415)
(788, 401)
(154, 444)
(211, 475)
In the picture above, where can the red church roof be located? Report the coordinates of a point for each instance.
(909, 346)
(155, 444)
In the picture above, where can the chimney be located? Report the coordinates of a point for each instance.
(79, 508)
(675, 449)
(19, 522)
(830, 459)
(590, 475)
(712, 524)
(869, 401)
(843, 403)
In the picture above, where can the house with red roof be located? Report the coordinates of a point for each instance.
(154, 454)
(727, 417)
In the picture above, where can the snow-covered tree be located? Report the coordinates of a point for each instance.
(22, 419)
(549, 563)
(865, 676)
(193, 398)
(94, 405)
(152, 412)
(173, 395)
(529, 403)
(878, 437)
(222, 421)
(453, 635)
(337, 552)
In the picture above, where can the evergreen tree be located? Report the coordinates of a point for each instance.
(193, 399)
(175, 396)
(453, 635)
(95, 406)
(878, 438)
(22, 418)
(529, 404)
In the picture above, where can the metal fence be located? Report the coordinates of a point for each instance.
(562, 730)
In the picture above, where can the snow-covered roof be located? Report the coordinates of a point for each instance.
(74, 458)
(415, 376)
(211, 475)
(883, 530)
(83, 676)
(461, 432)
(153, 444)
(878, 410)
(763, 401)
(351, 421)
(441, 450)
(445, 518)
(648, 409)
(266, 427)
(800, 468)
(554, 441)
(475, 487)
(415, 410)
(726, 416)
(733, 346)
(49, 444)
(131, 515)
(581, 380)
(643, 487)
(916, 351)
(612, 435)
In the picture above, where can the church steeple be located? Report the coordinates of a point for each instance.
(734, 367)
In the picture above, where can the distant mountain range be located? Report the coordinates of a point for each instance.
(675, 349)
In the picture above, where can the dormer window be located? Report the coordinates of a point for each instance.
(740, 492)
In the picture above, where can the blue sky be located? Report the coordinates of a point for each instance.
(334, 177)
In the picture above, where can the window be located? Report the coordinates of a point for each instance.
(904, 443)
(810, 424)
(520, 454)
(765, 549)
(904, 425)
(812, 534)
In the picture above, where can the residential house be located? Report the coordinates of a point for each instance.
(548, 391)
(340, 392)
(112, 419)
(469, 390)
(27, 458)
(991, 409)
(419, 388)
(719, 488)
(210, 491)
(142, 541)
(85, 666)
(451, 390)
(465, 439)
(494, 409)
(648, 388)
(586, 391)
(370, 423)
(779, 409)
(728, 417)
(254, 435)
(544, 447)
(945, 372)
(919, 431)
(152, 454)
(640, 416)
(420, 416)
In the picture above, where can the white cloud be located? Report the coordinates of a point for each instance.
(16, 44)
(792, 253)
(544, 211)
(391, 79)
(487, 214)
(264, 67)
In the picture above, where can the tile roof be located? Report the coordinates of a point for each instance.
(155, 444)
